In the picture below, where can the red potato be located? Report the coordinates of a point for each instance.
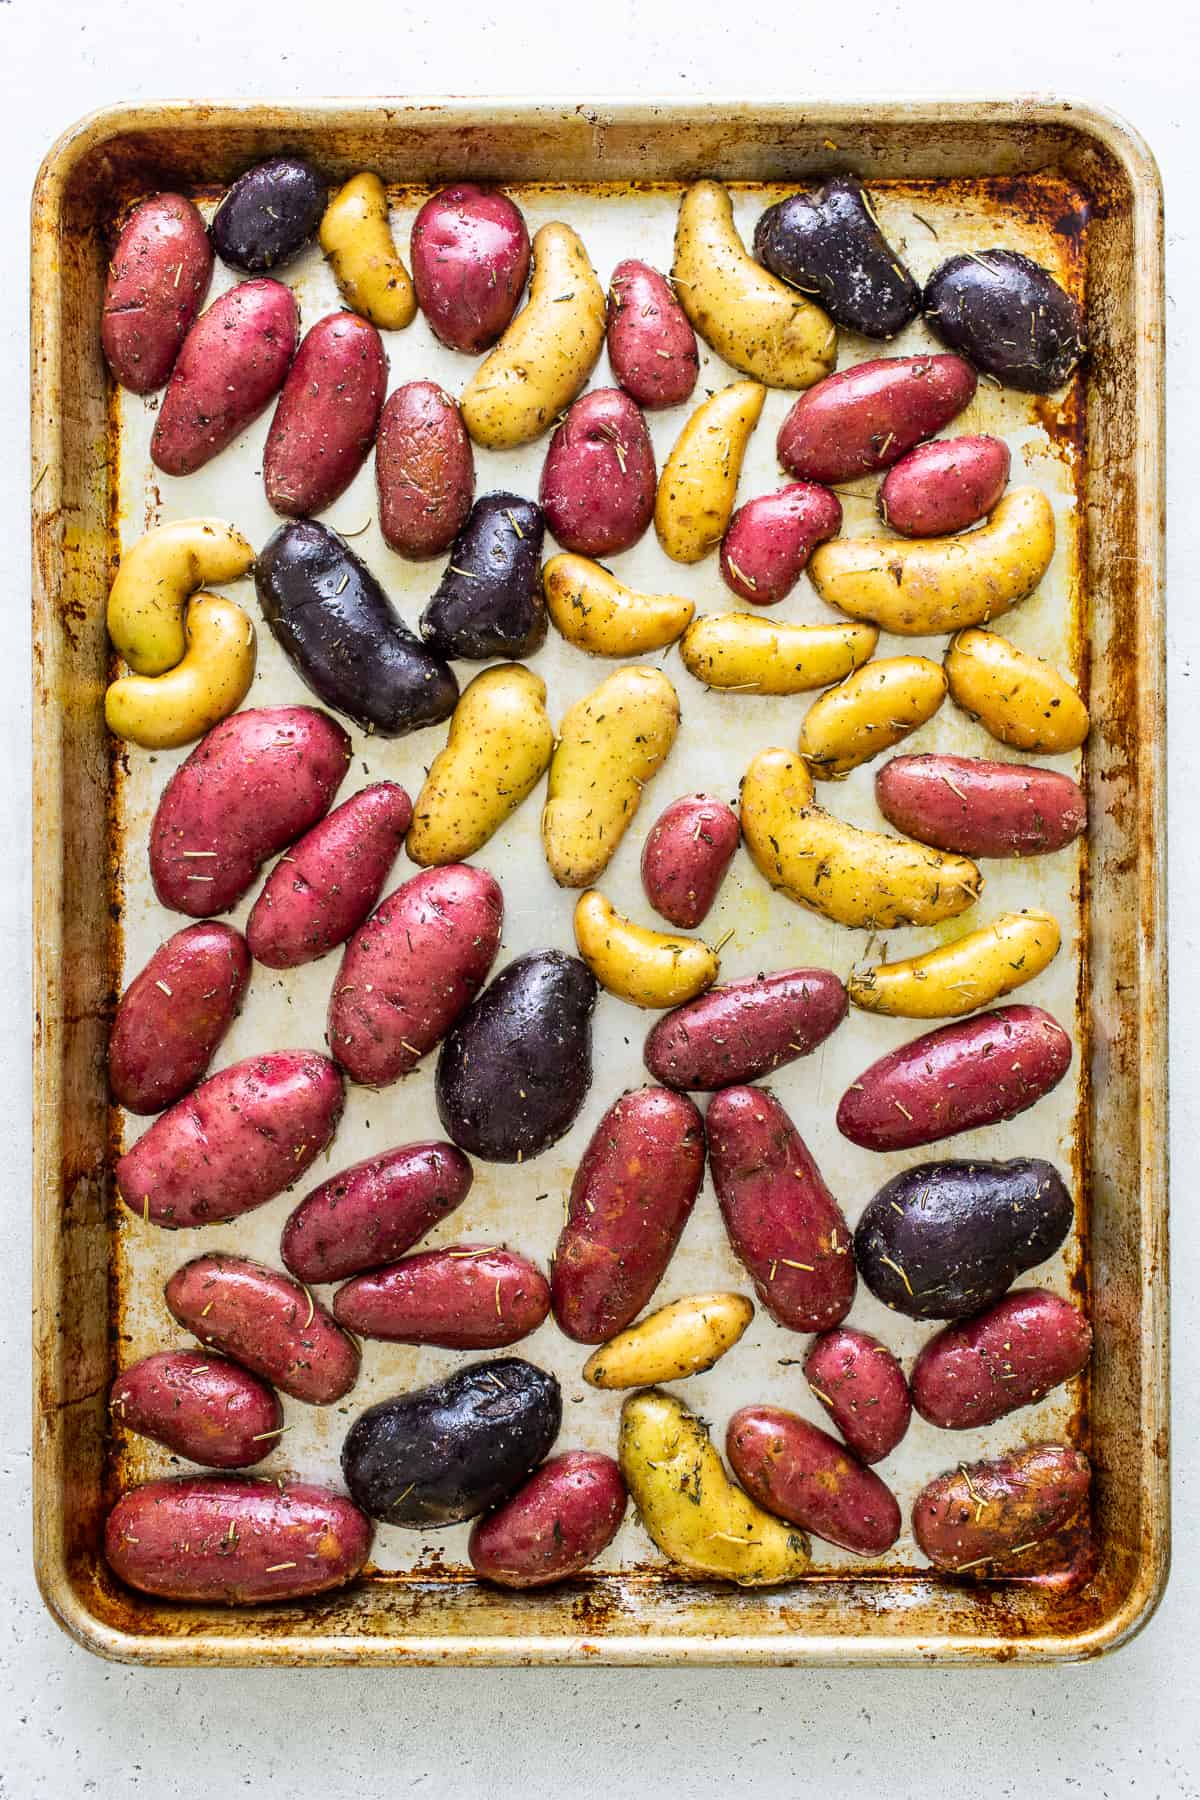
(242, 1137)
(976, 1372)
(770, 539)
(785, 1226)
(374, 1211)
(801, 1474)
(867, 417)
(944, 486)
(632, 1195)
(157, 280)
(993, 1512)
(980, 808)
(736, 1033)
(199, 1406)
(220, 1539)
(554, 1526)
(470, 260)
(231, 366)
(862, 1387)
(424, 471)
(599, 479)
(321, 890)
(651, 345)
(325, 421)
(412, 970)
(465, 1297)
(251, 787)
(264, 1319)
(974, 1072)
(688, 849)
(174, 1014)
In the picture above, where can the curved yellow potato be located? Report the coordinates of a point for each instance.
(770, 656)
(919, 586)
(864, 879)
(156, 578)
(870, 711)
(756, 322)
(609, 745)
(357, 238)
(547, 353)
(698, 485)
(599, 614)
(695, 1514)
(1020, 699)
(960, 977)
(678, 1340)
(498, 749)
(647, 968)
(210, 680)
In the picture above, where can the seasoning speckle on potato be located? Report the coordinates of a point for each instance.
(173, 1015)
(651, 346)
(599, 614)
(498, 749)
(269, 214)
(357, 239)
(157, 281)
(698, 485)
(829, 244)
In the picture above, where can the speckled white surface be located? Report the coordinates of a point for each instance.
(72, 1725)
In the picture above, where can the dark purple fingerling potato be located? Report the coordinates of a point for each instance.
(489, 601)
(470, 261)
(651, 345)
(268, 1321)
(173, 1015)
(158, 278)
(746, 1029)
(978, 808)
(599, 480)
(424, 471)
(325, 421)
(230, 367)
(1009, 316)
(770, 539)
(830, 245)
(461, 1297)
(1008, 1357)
(372, 1212)
(565, 1515)
(862, 1387)
(801, 1474)
(944, 486)
(867, 417)
(685, 856)
(200, 1406)
(269, 214)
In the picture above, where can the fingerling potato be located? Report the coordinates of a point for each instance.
(199, 1406)
(424, 471)
(989, 1514)
(210, 681)
(944, 486)
(736, 651)
(269, 214)
(598, 480)
(268, 1321)
(698, 485)
(356, 237)
(829, 244)
(470, 257)
(651, 346)
(685, 856)
(1021, 700)
(157, 280)
(565, 1515)
(372, 1212)
(498, 749)
(867, 416)
(963, 975)
(979, 808)
(326, 417)
(599, 614)
(770, 539)
(1009, 315)
(801, 1474)
(862, 1387)
(231, 365)
(1008, 1357)
(876, 707)
(174, 1014)
(157, 577)
(736, 1033)
(462, 1297)
(647, 968)
(678, 1340)
(489, 600)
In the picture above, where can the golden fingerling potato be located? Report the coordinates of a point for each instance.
(157, 577)
(737, 650)
(684, 1338)
(698, 485)
(868, 712)
(961, 976)
(498, 749)
(599, 614)
(1021, 700)
(210, 681)
(647, 968)
(357, 238)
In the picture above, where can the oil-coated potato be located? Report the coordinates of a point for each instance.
(870, 711)
(231, 366)
(748, 655)
(498, 749)
(694, 1513)
(565, 1515)
(424, 471)
(470, 257)
(372, 1212)
(866, 417)
(944, 486)
(858, 878)
(681, 1339)
(1021, 700)
(830, 244)
(987, 1515)
(489, 600)
(1008, 1357)
(267, 1321)
(1009, 315)
(917, 587)
(862, 1387)
(157, 576)
(801, 1474)
(736, 1033)
(199, 1406)
(461, 1297)
(698, 485)
(685, 856)
(173, 1015)
(598, 480)
(357, 239)
(651, 346)
(599, 614)
(770, 539)
(546, 354)
(269, 214)
(157, 280)
(754, 321)
(648, 968)
(160, 712)
(963, 975)
(327, 415)
(981, 808)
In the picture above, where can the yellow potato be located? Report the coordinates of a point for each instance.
(869, 712)
(696, 1515)
(210, 680)
(770, 656)
(157, 577)
(859, 878)
(609, 745)
(756, 322)
(678, 1340)
(357, 238)
(1020, 699)
(546, 355)
(647, 968)
(920, 586)
(698, 485)
(959, 977)
(497, 751)
(596, 612)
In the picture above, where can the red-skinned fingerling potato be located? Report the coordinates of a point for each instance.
(174, 1014)
(651, 345)
(158, 277)
(599, 480)
(372, 1212)
(862, 1387)
(771, 538)
(554, 1526)
(470, 260)
(463, 1297)
(424, 471)
(944, 486)
(200, 1406)
(685, 856)
(328, 411)
(801, 1474)
(978, 1371)
(268, 1321)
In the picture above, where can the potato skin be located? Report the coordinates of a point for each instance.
(498, 749)
(161, 712)
(772, 656)
(646, 967)
(253, 785)
(424, 471)
(489, 600)
(867, 417)
(372, 1212)
(269, 214)
(979, 808)
(685, 856)
(971, 1073)
(599, 479)
(963, 974)
(944, 486)
(327, 414)
(870, 711)
(1021, 700)
(240, 1138)
(735, 1033)
(1008, 1357)
(651, 346)
(231, 365)
(158, 277)
(356, 237)
(698, 485)
(830, 244)
(322, 889)
(235, 1542)
(991, 1511)
(683, 1338)
(862, 1387)
(599, 614)
(801, 1474)
(464, 1297)
(784, 1225)
(1009, 315)
(411, 970)
(158, 574)
(554, 1526)
(470, 259)
(199, 1406)
(174, 1014)
(632, 1195)
(268, 1321)
(770, 539)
